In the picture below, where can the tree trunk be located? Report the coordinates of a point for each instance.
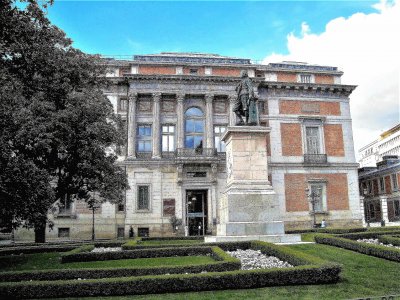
(40, 233)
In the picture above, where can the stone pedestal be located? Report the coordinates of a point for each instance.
(249, 209)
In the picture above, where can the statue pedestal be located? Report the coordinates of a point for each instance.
(249, 209)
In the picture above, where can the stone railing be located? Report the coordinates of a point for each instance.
(315, 159)
(196, 153)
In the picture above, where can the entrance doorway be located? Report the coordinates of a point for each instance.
(196, 212)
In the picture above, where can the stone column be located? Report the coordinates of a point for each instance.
(384, 210)
(231, 114)
(132, 125)
(156, 126)
(180, 121)
(209, 122)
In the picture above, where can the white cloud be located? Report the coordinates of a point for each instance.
(366, 48)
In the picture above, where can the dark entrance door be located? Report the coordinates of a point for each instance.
(196, 208)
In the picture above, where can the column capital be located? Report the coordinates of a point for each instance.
(156, 96)
(180, 97)
(209, 98)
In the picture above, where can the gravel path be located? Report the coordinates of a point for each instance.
(254, 259)
(376, 242)
(106, 249)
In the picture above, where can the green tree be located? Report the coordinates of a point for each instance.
(54, 117)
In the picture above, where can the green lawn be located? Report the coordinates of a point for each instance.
(362, 276)
(42, 261)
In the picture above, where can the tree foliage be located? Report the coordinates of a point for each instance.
(55, 123)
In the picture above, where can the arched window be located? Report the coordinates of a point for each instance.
(194, 127)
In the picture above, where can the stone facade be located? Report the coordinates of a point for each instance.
(172, 101)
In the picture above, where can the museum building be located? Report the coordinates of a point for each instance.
(177, 107)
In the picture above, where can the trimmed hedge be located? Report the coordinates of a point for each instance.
(315, 271)
(52, 247)
(224, 262)
(327, 230)
(172, 238)
(368, 234)
(389, 239)
(132, 254)
(227, 246)
(365, 248)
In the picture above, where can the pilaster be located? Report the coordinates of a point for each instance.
(179, 125)
(132, 125)
(156, 126)
(232, 116)
(209, 121)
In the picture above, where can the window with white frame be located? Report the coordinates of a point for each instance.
(317, 196)
(143, 197)
(381, 184)
(168, 138)
(144, 138)
(218, 133)
(395, 185)
(123, 104)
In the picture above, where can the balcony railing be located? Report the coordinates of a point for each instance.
(315, 159)
(196, 153)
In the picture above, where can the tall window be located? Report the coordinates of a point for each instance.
(305, 78)
(395, 185)
(194, 127)
(144, 138)
(381, 184)
(218, 133)
(313, 142)
(123, 104)
(168, 138)
(143, 196)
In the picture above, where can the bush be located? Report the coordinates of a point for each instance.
(171, 238)
(227, 246)
(365, 248)
(368, 234)
(132, 254)
(36, 249)
(224, 262)
(389, 239)
(327, 230)
(173, 283)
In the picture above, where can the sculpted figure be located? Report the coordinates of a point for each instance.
(245, 105)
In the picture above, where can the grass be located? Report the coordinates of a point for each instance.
(363, 276)
(43, 261)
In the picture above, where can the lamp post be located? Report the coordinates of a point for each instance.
(313, 196)
(366, 208)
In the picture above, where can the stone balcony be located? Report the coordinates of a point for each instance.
(200, 155)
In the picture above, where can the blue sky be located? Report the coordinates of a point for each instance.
(250, 29)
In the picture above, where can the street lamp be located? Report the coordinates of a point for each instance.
(366, 208)
(313, 196)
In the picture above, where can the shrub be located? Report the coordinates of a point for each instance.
(171, 238)
(328, 230)
(132, 254)
(389, 239)
(368, 234)
(227, 246)
(224, 262)
(365, 248)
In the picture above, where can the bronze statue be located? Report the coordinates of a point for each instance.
(245, 105)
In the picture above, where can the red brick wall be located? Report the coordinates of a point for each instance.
(336, 191)
(291, 139)
(324, 79)
(153, 70)
(388, 185)
(294, 107)
(226, 72)
(334, 145)
(286, 77)
(398, 180)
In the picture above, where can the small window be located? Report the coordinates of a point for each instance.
(121, 207)
(305, 78)
(193, 71)
(63, 232)
(123, 104)
(143, 197)
(143, 232)
(120, 232)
